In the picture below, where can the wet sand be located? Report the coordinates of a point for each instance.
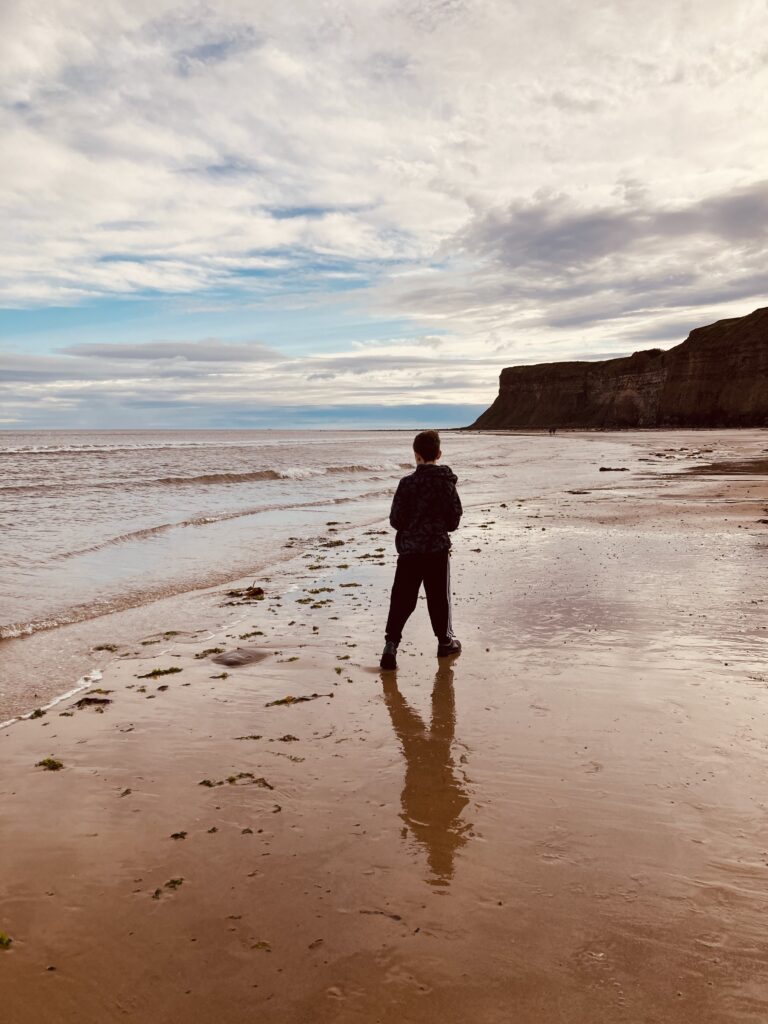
(567, 823)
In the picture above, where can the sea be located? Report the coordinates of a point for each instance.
(96, 523)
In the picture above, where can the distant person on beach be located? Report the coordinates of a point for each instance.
(425, 509)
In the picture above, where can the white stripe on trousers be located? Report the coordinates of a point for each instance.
(448, 589)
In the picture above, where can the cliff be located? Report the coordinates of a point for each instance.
(717, 377)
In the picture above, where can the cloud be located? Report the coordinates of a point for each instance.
(23, 368)
(215, 50)
(208, 350)
(553, 233)
(557, 269)
(176, 136)
(218, 379)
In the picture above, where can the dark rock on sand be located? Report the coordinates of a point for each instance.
(717, 377)
(240, 656)
(98, 703)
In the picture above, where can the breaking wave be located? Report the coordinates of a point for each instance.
(210, 479)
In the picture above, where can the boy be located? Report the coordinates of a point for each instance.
(426, 507)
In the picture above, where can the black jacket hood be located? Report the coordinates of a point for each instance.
(442, 471)
(425, 509)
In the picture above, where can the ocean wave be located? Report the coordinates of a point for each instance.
(154, 531)
(106, 605)
(109, 449)
(17, 629)
(83, 683)
(210, 479)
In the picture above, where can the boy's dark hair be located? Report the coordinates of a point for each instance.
(427, 445)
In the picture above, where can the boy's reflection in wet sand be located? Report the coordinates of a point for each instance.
(433, 798)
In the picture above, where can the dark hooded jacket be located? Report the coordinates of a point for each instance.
(426, 507)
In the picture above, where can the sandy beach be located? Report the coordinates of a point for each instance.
(567, 823)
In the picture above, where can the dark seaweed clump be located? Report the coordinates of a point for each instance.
(246, 596)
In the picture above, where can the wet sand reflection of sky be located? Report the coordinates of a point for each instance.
(434, 797)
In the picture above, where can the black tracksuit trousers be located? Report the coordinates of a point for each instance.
(434, 571)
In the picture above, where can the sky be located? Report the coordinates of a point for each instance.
(356, 213)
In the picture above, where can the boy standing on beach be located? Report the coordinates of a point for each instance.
(426, 507)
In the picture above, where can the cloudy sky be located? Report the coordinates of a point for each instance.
(251, 213)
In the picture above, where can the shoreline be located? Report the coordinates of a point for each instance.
(144, 606)
(83, 683)
(102, 627)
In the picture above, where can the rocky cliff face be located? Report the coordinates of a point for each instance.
(717, 377)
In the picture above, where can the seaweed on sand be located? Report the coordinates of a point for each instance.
(209, 650)
(50, 764)
(97, 703)
(244, 778)
(156, 672)
(172, 884)
(248, 778)
(246, 596)
(284, 701)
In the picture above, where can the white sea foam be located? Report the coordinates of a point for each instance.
(94, 676)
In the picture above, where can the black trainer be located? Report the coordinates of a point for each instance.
(449, 647)
(389, 656)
